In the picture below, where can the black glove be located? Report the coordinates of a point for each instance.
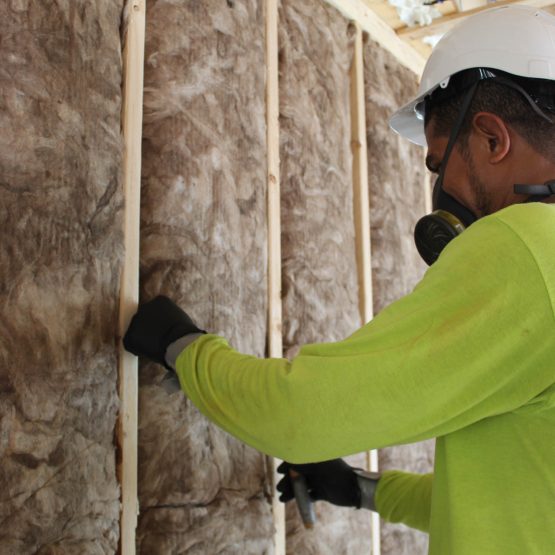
(332, 481)
(156, 325)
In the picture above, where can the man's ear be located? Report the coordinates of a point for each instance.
(493, 133)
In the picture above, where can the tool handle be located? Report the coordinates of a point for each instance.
(302, 497)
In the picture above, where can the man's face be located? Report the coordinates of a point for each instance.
(462, 178)
(482, 170)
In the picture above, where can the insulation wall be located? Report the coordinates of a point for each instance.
(396, 175)
(320, 289)
(203, 243)
(60, 227)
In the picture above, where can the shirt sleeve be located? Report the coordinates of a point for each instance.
(473, 340)
(406, 498)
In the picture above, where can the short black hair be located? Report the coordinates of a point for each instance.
(506, 102)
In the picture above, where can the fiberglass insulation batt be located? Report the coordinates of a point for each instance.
(396, 175)
(320, 289)
(60, 259)
(203, 243)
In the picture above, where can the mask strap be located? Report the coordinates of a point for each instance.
(455, 131)
(545, 190)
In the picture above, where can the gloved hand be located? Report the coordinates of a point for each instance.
(332, 481)
(157, 324)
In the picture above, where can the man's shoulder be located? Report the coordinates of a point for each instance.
(518, 241)
(533, 223)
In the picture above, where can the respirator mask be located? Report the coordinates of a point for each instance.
(449, 217)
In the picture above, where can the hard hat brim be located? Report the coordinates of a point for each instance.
(408, 124)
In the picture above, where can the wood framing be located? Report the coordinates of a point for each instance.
(274, 226)
(275, 340)
(381, 32)
(362, 218)
(132, 115)
(360, 180)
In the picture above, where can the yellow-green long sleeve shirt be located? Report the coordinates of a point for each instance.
(405, 497)
(468, 358)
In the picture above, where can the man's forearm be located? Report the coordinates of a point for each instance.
(405, 497)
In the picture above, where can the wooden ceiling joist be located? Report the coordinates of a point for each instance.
(381, 32)
(389, 14)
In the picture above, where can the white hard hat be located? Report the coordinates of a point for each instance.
(515, 39)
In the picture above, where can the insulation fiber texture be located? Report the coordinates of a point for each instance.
(320, 289)
(397, 177)
(203, 243)
(60, 258)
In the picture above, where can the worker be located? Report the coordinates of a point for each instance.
(467, 358)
